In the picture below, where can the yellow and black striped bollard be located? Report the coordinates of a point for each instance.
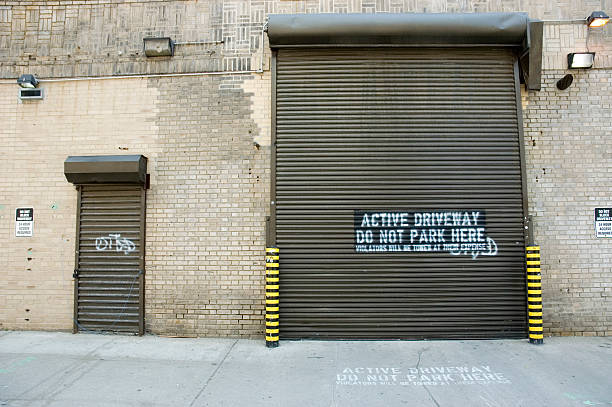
(534, 295)
(272, 297)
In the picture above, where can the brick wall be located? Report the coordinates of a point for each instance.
(206, 214)
(75, 118)
(209, 165)
(104, 37)
(569, 174)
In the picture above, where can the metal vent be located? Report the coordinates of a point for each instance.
(27, 94)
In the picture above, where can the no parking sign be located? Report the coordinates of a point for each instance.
(24, 222)
(603, 222)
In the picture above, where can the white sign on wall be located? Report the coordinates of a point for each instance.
(24, 222)
(603, 222)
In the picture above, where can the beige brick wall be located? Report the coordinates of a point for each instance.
(67, 38)
(561, 39)
(206, 211)
(569, 174)
(259, 90)
(75, 118)
(209, 166)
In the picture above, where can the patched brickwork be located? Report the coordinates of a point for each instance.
(260, 90)
(569, 174)
(206, 214)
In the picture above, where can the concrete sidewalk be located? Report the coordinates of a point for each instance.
(61, 369)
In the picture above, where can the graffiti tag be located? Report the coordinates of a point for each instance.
(487, 249)
(114, 240)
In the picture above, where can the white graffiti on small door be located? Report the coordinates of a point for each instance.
(121, 244)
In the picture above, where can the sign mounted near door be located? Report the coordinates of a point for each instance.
(603, 222)
(24, 222)
(457, 232)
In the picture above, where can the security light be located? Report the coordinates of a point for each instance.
(580, 60)
(597, 19)
(158, 47)
(27, 81)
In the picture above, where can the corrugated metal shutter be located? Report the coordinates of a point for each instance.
(406, 129)
(109, 292)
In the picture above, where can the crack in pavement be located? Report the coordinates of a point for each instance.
(333, 401)
(431, 396)
(425, 386)
(213, 373)
(84, 370)
(67, 370)
(420, 354)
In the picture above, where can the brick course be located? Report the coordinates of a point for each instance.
(75, 118)
(205, 226)
(569, 169)
(96, 38)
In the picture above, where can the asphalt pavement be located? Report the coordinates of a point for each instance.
(62, 369)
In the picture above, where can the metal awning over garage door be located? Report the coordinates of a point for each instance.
(399, 202)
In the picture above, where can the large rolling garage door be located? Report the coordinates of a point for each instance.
(399, 202)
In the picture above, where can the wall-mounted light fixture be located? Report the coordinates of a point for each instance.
(28, 90)
(27, 81)
(158, 47)
(580, 60)
(164, 46)
(597, 19)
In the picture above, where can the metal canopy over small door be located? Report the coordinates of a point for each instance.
(408, 134)
(109, 271)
